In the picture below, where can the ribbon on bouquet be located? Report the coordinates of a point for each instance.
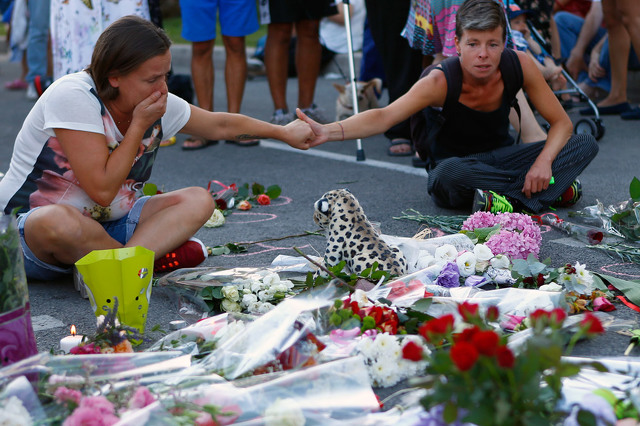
(223, 197)
(587, 234)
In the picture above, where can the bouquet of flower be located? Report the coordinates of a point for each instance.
(257, 194)
(474, 376)
(513, 234)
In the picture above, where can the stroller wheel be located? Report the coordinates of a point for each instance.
(589, 126)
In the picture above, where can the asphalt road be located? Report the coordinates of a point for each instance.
(385, 186)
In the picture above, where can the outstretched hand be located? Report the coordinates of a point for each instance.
(320, 133)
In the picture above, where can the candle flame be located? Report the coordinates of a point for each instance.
(73, 330)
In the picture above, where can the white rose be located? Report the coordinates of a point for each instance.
(287, 283)
(481, 266)
(482, 252)
(500, 262)
(425, 259)
(217, 219)
(14, 413)
(230, 306)
(231, 292)
(256, 286)
(271, 279)
(248, 299)
(280, 288)
(466, 263)
(550, 287)
(254, 308)
(265, 307)
(446, 253)
(263, 295)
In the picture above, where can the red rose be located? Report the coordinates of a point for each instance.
(466, 335)
(486, 342)
(464, 355)
(493, 313)
(557, 316)
(539, 315)
(221, 204)
(412, 351)
(591, 324)
(468, 311)
(435, 329)
(505, 357)
(264, 200)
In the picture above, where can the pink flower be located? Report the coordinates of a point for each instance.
(518, 237)
(244, 205)
(602, 304)
(141, 398)
(229, 414)
(85, 416)
(204, 419)
(65, 395)
(264, 200)
(99, 404)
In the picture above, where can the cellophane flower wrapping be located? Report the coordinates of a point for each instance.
(621, 219)
(17, 340)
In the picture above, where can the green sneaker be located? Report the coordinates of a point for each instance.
(569, 197)
(489, 201)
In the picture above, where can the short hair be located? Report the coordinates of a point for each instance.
(480, 15)
(121, 48)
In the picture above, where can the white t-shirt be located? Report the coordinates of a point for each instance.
(333, 36)
(39, 173)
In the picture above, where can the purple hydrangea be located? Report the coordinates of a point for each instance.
(449, 276)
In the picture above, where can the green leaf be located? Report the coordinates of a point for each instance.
(219, 250)
(243, 192)
(211, 293)
(150, 189)
(450, 412)
(273, 191)
(422, 305)
(634, 189)
(235, 248)
(586, 418)
(257, 189)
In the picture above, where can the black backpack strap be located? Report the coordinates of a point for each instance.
(513, 79)
(453, 73)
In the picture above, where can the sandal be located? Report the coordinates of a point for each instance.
(188, 255)
(252, 142)
(16, 84)
(396, 142)
(168, 142)
(200, 143)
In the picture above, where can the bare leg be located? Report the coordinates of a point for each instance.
(619, 45)
(168, 220)
(60, 235)
(276, 61)
(531, 130)
(235, 71)
(203, 78)
(308, 57)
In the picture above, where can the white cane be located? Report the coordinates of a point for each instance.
(352, 71)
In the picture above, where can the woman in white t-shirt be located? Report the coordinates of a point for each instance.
(88, 145)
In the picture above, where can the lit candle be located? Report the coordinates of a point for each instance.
(66, 343)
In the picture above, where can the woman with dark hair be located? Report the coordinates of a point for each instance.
(460, 124)
(88, 145)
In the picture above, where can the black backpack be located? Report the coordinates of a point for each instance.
(426, 124)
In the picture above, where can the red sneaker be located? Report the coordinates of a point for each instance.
(190, 254)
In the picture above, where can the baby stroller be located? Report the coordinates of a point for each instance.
(592, 126)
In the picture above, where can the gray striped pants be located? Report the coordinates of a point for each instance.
(453, 181)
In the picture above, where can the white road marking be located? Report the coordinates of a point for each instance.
(45, 322)
(346, 158)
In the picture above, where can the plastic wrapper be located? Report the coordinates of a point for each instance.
(413, 248)
(587, 234)
(186, 339)
(17, 340)
(622, 219)
(280, 339)
(317, 395)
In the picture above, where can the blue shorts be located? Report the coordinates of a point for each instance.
(120, 230)
(238, 18)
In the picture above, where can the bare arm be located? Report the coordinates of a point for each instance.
(547, 104)
(593, 20)
(428, 91)
(100, 173)
(222, 125)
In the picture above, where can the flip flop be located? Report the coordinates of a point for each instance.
(396, 142)
(202, 143)
(16, 84)
(253, 142)
(168, 142)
